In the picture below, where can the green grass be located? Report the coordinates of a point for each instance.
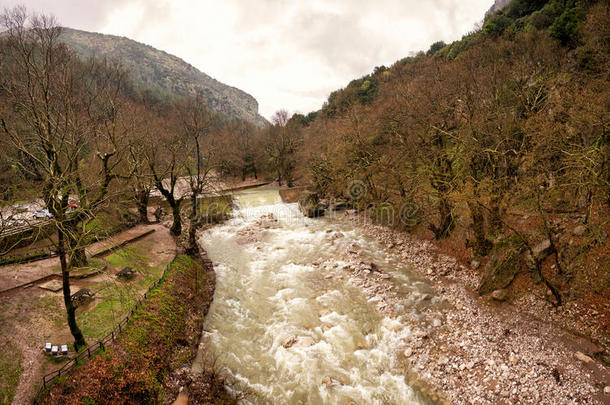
(134, 256)
(10, 371)
(118, 297)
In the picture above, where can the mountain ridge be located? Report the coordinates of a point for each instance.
(164, 74)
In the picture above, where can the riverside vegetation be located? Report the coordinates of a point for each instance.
(498, 144)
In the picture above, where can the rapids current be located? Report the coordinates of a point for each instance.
(285, 329)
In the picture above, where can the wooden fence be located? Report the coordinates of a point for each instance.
(100, 345)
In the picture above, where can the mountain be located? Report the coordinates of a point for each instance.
(498, 5)
(165, 75)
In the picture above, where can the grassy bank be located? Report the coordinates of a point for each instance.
(10, 370)
(165, 326)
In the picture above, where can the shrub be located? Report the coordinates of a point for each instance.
(566, 27)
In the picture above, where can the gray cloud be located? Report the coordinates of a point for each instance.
(287, 53)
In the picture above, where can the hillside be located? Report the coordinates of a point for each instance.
(495, 146)
(163, 74)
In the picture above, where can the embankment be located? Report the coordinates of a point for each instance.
(162, 336)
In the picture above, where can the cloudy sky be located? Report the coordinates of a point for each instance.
(287, 53)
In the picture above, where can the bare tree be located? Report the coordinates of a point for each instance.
(196, 123)
(53, 98)
(282, 141)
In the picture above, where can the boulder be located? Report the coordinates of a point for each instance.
(289, 342)
(580, 230)
(330, 381)
(502, 267)
(583, 357)
(304, 341)
(542, 250)
(500, 295)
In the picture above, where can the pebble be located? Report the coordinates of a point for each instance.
(516, 360)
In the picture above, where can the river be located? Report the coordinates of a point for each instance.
(287, 327)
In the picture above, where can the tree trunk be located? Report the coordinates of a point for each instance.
(447, 222)
(79, 340)
(142, 201)
(193, 248)
(176, 228)
(482, 246)
(78, 256)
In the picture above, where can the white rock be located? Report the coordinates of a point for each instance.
(607, 390)
(408, 352)
(304, 341)
(583, 357)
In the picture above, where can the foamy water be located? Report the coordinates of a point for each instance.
(285, 331)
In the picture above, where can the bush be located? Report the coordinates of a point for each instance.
(566, 28)
(497, 24)
(435, 47)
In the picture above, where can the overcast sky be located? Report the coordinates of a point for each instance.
(287, 53)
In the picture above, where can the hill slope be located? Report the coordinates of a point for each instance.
(164, 74)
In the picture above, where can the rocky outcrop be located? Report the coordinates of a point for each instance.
(498, 5)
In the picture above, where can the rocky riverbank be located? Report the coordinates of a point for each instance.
(481, 351)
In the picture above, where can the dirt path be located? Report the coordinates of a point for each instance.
(31, 316)
(484, 352)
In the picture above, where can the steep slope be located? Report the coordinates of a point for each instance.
(164, 74)
(496, 146)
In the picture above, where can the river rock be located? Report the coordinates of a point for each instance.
(289, 342)
(500, 295)
(303, 341)
(330, 381)
(583, 357)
